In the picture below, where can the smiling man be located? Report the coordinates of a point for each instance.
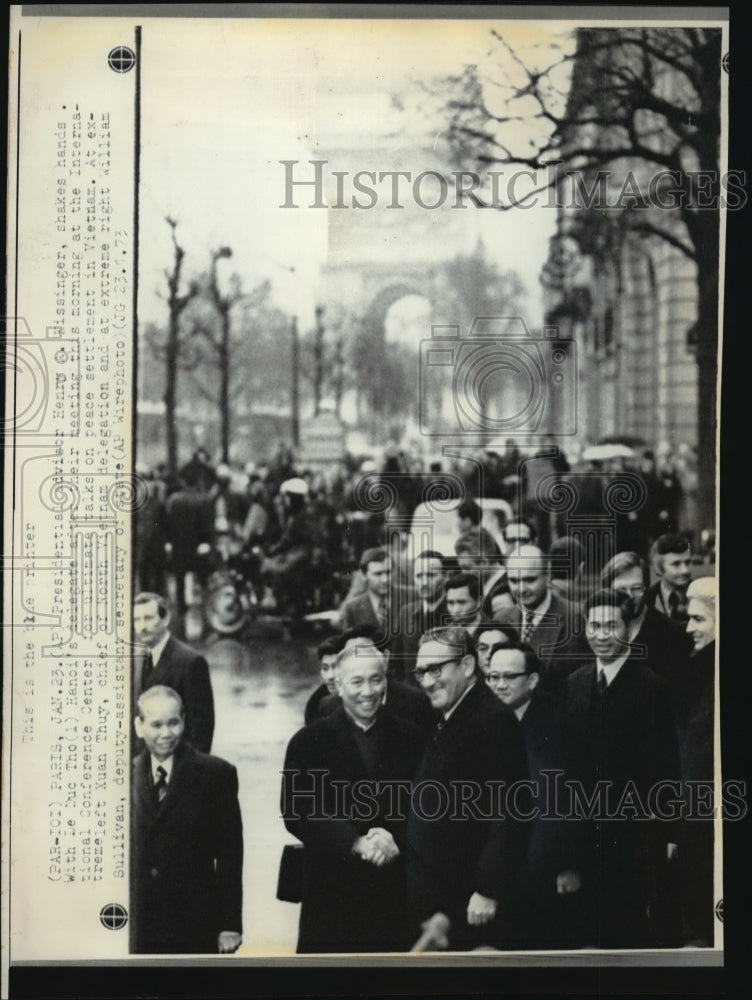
(554, 905)
(661, 643)
(465, 858)
(623, 713)
(339, 797)
(697, 725)
(186, 839)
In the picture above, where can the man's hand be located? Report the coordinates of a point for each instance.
(568, 881)
(377, 847)
(480, 909)
(228, 942)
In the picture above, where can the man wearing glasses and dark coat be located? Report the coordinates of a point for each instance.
(465, 847)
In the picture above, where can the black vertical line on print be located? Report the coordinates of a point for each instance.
(134, 372)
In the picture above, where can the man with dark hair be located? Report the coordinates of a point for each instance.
(489, 635)
(464, 598)
(339, 797)
(662, 644)
(167, 661)
(465, 862)
(186, 839)
(560, 865)
(327, 652)
(478, 552)
(376, 607)
(517, 533)
(622, 710)
(416, 617)
(469, 514)
(671, 559)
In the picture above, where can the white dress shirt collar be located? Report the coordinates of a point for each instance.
(611, 669)
(165, 764)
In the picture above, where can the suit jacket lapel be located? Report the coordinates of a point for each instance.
(162, 669)
(144, 787)
(138, 675)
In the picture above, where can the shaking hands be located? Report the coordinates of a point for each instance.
(377, 847)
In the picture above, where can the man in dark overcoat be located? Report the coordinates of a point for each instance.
(465, 847)
(169, 662)
(623, 712)
(554, 903)
(340, 797)
(186, 839)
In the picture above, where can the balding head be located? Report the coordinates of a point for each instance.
(156, 693)
(528, 575)
(160, 722)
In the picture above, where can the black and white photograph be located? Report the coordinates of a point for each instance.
(377, 492)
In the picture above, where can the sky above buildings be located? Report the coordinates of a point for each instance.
(225, 101)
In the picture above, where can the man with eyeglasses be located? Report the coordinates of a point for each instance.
(487, 636)
(465, 850)
(553, 907)
(623, 712)
(661, 644)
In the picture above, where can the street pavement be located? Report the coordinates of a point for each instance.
(260, 689)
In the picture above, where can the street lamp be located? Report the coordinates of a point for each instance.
(294, 371)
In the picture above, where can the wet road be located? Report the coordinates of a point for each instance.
(260, 691)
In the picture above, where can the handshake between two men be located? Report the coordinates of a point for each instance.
(377, 847)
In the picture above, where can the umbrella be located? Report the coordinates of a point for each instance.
(630, 440)
(603, 452)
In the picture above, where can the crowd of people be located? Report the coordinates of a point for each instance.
(510, 747)
(514, 773)
(278, 525)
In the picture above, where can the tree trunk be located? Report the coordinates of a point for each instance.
(224, 386)
(171, 377)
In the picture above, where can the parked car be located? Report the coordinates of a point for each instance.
(435, 526)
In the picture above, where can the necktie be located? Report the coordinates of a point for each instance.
(160, 785)
(382, 610)
(147, 669)
(677, 609)
(527, 626)
(439, 727)
(602, 683)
